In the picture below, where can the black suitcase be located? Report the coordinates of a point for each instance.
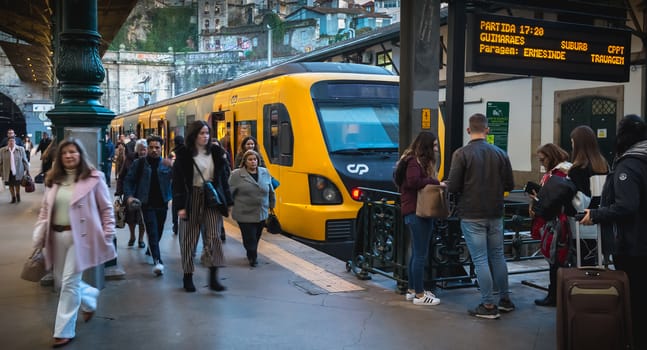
(593, 306)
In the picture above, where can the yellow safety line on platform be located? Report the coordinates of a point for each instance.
(313, 273)
(309, 271)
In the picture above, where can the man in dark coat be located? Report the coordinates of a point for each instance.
(43, 144)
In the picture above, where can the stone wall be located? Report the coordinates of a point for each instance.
(134, 77)
(24, 95)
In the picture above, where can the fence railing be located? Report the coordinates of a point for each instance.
(382, 243)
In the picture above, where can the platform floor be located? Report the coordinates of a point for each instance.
(297, 298)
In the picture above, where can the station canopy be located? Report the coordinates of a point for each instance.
(26, 32)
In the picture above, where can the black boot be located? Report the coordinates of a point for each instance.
(213, 280)
(13, 199)
(549, 300)
(188, 282)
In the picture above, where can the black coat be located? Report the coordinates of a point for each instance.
(554, 195)
(624, 204)
(183, 169)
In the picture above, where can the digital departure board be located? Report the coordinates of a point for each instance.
(512, 45)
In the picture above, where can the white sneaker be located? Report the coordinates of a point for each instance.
(428, 299)
(158, 270)
(410, 296)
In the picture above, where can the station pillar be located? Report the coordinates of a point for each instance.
(77, 111)
(419, 69)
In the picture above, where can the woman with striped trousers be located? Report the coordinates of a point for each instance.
(199, 157)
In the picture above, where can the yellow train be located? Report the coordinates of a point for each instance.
(324, 129)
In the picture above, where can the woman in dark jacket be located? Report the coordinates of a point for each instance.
(421, 171)
(622, 216)
(554, 159)
(588, 165)
(210, 161)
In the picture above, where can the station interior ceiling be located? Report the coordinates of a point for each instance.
(28, 29)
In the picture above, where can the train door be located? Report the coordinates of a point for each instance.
(140, 130)
(243, 129)
(597, 112)
(220, 129)
(162, 131)
(278, 139)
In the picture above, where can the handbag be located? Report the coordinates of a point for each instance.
(432, 202)
(120, 213)
(28, 183)
(272, 223)
(212, 199)
(34, 268)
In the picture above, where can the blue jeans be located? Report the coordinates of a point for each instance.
(484, 238)
(421, 230)
(154, 219)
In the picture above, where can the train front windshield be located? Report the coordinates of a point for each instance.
(358, 117)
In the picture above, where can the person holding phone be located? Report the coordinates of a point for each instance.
(555, 161)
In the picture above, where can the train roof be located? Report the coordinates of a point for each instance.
(279, 70)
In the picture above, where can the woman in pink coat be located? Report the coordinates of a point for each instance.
(76, 226)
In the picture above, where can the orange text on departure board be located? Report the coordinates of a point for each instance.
(510, 39)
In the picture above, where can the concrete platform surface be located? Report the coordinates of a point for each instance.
(297, 298)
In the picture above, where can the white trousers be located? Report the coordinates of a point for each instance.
(74, 293)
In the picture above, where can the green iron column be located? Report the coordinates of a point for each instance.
(78, 112)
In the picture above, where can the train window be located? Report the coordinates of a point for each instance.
(351, 91)
(278, 139)
(357, 117)
(359, 127)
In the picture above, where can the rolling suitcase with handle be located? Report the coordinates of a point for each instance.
(593, 305)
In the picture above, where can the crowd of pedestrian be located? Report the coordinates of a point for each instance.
(479, 178)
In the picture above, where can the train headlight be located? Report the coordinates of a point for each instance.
(323, 191)
(330, 194)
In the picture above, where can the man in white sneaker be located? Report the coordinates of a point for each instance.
(149, 181)
(480, 174)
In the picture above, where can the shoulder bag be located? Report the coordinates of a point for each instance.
(34, 268)
(432, 202)
(212, 199)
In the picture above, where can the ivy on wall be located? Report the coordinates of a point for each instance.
(163, 27)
